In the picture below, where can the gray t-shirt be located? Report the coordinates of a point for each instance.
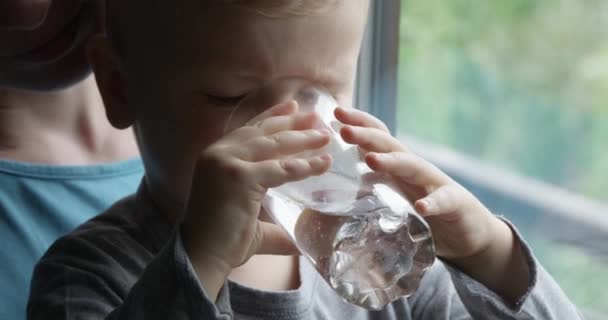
(129, 263)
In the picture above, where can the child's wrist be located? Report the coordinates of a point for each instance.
(495, 250)
(501, 265)
(499, 245)
(210, 270)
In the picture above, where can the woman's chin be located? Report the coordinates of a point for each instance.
(59, 75)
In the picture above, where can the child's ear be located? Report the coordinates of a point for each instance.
(111, 81)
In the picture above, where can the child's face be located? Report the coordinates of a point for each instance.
(182, 94)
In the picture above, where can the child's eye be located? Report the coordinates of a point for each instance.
(221, 101)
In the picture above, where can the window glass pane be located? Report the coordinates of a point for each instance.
(521, 85)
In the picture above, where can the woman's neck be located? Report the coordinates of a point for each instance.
(66, 127)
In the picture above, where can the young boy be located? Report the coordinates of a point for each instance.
(191, 243)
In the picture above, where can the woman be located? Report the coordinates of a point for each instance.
(61, 161)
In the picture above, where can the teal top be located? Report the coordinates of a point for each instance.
(38, 204)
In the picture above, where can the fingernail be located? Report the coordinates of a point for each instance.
(430, 205)
(289, 103)
(325, 157)
(318, 133)
(380, 156)
(323, 132)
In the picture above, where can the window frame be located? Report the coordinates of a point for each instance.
(376, 84)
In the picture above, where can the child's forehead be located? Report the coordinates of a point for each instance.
(165, 13)
(226, 34)
(135, 9)
(231, 34)
(282, 8)
(245, 13)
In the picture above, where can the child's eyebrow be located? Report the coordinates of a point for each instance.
(335, 75)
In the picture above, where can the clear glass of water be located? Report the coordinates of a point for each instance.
(356, 227)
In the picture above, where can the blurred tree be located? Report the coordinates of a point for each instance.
(522, 85)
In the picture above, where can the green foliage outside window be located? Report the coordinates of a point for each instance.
(522, 85)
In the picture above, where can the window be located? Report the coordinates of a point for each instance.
(511, 99)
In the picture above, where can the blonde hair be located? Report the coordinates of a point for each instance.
(121, 13)
(281, 8)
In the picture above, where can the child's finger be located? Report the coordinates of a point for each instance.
(446, 199)
(372, 139)
(409, 168)
(274, 240)
(298, 121)
(272, 173)
(280, 109)
(273, 124)
(281, 144)
(359, 118)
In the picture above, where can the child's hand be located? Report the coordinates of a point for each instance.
(221, 230)
(464, 230)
